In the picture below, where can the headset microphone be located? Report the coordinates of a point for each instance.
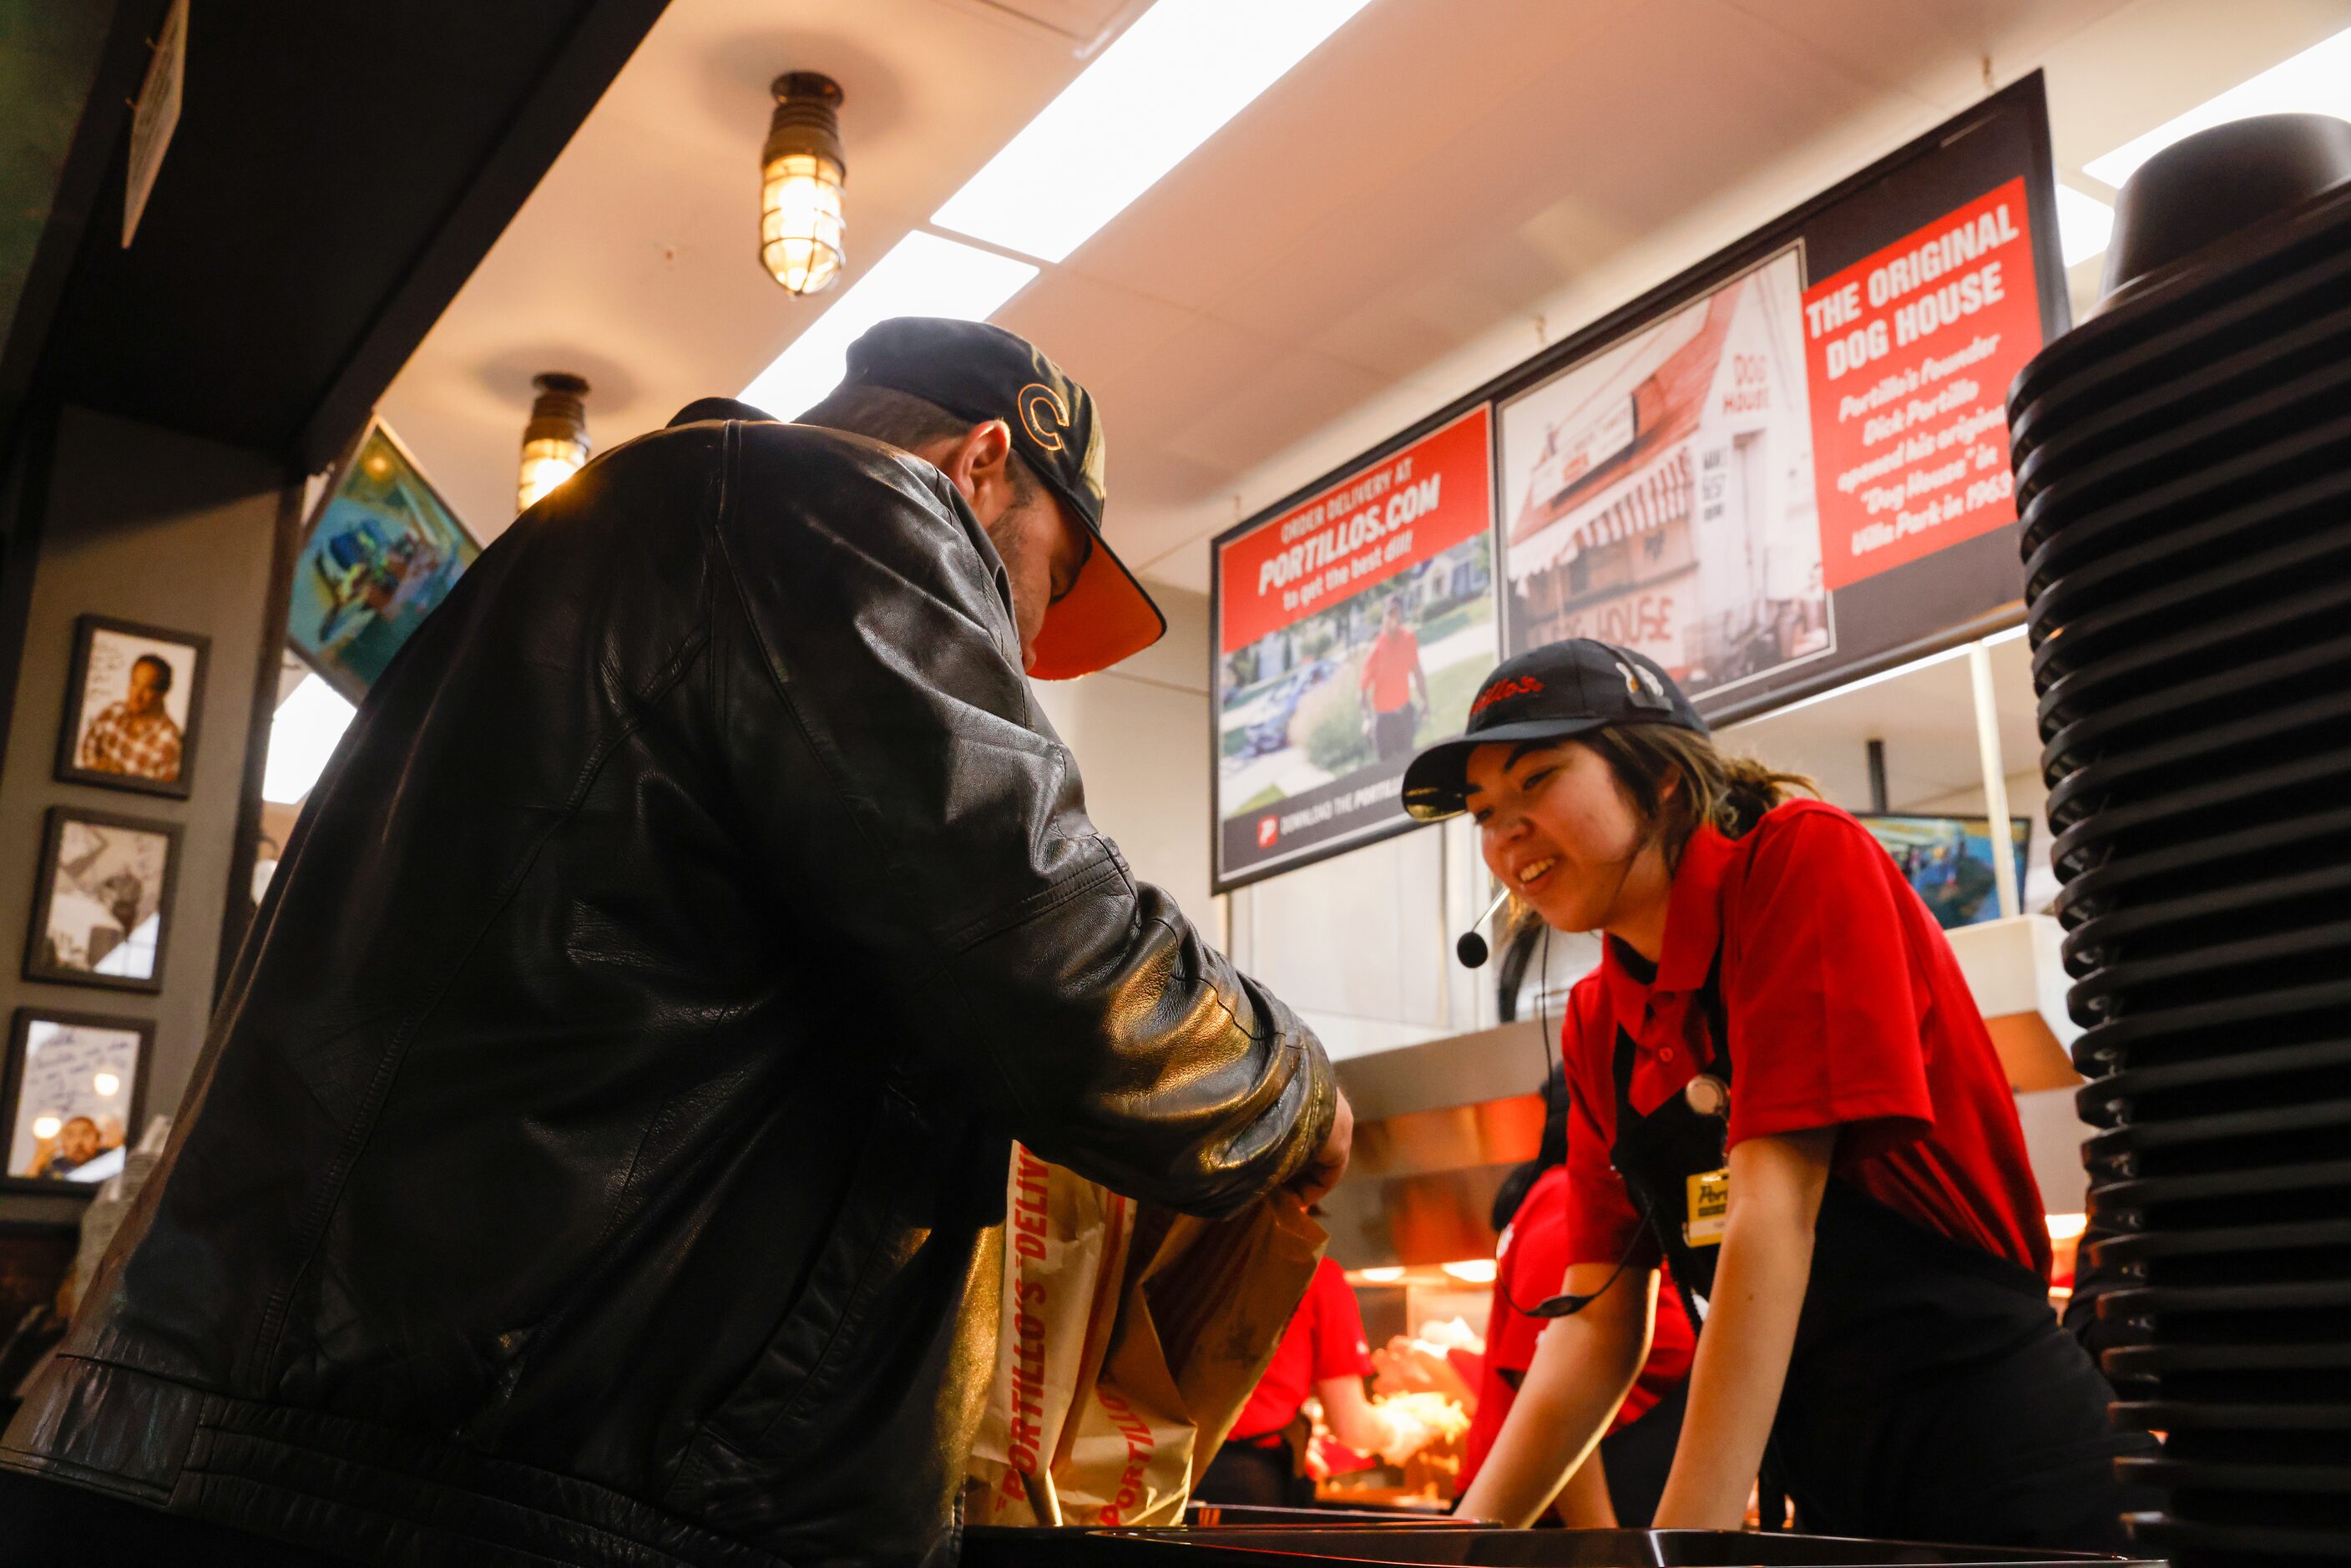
(1472, 948)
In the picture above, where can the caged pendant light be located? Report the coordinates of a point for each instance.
(555, 442)
(801, 172)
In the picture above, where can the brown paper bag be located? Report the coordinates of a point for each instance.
(1065, 1248)
(1181, 1316)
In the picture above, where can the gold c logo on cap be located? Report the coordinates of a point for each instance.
(1044, 415)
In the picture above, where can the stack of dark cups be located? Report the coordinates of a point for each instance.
(2184, 474)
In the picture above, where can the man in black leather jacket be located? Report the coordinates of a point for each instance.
(599, 1153)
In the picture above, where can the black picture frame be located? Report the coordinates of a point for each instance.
(40, 957)
(12, 1087)
(80, 711)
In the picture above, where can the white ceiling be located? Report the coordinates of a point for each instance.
(1419, 205)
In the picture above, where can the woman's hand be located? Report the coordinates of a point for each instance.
(1776, 1183)
(1584, 1366)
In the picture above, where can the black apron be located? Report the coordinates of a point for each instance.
(1932, 1395)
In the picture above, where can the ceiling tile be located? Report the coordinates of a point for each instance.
(1091, 329)
(1378, 233)
(1249, 419)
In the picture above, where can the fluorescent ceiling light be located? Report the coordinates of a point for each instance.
(922, 276)
(1182, 70)
(302, 737)
(2315, 82)
(2084, 224)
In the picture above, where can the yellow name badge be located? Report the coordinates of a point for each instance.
(1709, 1208)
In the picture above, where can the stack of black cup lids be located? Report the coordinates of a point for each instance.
(2183, 467)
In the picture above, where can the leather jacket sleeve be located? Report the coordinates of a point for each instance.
(904, 788)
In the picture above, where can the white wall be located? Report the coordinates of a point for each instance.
(1140, 733)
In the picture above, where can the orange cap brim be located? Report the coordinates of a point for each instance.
(1104, 618)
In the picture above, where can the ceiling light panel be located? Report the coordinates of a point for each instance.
(2084, 224)
(2315, 82)
(1181, 71)
(924, 274)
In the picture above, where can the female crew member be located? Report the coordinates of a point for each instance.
(1780, 1084)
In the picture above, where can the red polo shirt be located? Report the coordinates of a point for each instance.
(1326, 1339)
(1530, 1265)
(1845, 1008)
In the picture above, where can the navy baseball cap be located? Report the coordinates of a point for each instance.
(979, 372)
(1556, 692)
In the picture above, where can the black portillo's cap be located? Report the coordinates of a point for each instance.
(1556, 692)
(977, 371)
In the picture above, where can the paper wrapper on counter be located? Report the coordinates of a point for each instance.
(1131, 1338)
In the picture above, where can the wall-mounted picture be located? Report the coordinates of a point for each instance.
(103, 908)
(73, 1091)
(1947, 862)
(382, 549)
(131, 707)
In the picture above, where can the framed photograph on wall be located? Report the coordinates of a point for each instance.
(131, 707)
(75, 1085)
(382, 550)
(103, 900)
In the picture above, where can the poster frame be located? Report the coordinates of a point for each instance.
(337, 679)
(1293, 860)
(2027, 94)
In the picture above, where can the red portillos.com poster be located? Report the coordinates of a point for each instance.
(1909, 352)
(1352, 627)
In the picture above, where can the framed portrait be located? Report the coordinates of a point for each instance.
(102, 902)
(76, 1085)
(131, 707)
(383, 549)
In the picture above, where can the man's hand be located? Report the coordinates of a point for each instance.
(1322, 1173)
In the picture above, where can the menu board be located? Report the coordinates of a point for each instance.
(1780, 471)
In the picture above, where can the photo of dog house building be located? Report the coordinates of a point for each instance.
(1660, 494)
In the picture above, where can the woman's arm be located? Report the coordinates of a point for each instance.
(1776, 1183)
(1583, 1365)
(1583, 1503)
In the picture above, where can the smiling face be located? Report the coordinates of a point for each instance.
(1558, 829)
(149, 679)
(78, 1140)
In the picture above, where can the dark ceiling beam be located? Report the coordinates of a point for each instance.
(574, 78)
(340, 167)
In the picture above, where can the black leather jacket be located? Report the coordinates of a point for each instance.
(599, 1155)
